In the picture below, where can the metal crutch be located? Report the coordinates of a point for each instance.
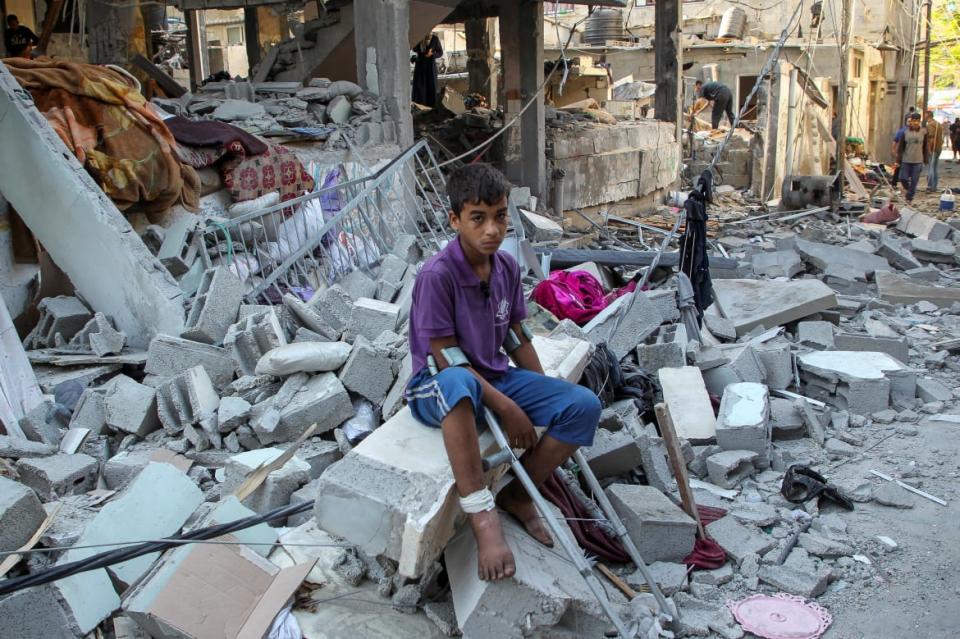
(505, 454)
(621, 531)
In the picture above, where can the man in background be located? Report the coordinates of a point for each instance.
(722, 99)
(19, 39)
(934, 149)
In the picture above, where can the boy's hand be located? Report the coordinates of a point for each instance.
(519, 429)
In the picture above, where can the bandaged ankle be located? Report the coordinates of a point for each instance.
(478, 502)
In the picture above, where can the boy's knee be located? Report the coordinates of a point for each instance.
(586, 403)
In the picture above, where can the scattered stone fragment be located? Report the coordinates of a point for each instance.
(894, 496)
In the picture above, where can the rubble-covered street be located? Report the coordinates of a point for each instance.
(211, 424)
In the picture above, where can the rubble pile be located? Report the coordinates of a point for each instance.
(321, 111)
(823, 340)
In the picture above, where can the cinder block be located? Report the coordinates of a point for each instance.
(232, 413)
(371, 317)
(301, 401)
(546, 592)
(320, 454)
(613, 453)
(250, 338)
(334, 305)
(777, 360)
(368, 371)
(91, 411)
(785, 420)
(179, 249)
(168, 356)
(310, 317)
(743, 421)
(100, 337)
(279, 485)
(35, 612)
(214, 307)
(739, 540)
(394, 399)
(187, 399)
(62, 315)
(358, 284)
(653, 357)
(302, 496)
(744, 366)
(930, 390)
(131, 407)
(59, 475)
(392, 269)
(120, 470)
(659, 528)
(653, 458)
(407, 249)
(21, 513)
(897, 347)
(643, 319)
(728, 468)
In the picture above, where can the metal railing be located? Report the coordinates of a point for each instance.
(312, 241)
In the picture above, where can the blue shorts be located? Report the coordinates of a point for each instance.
(568, 411)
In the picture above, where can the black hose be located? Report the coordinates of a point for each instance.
(111, 557)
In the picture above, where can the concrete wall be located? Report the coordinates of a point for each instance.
(84, 233)
(611, 163)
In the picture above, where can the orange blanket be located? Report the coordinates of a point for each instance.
(112, 129)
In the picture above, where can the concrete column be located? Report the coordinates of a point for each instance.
(667, 56)
(521, 45)
(381, 34)
(251, 36)
(197, 43)
(481, 67)
(114, 32)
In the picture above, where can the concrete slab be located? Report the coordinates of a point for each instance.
(777, 264)
(739, 540)
(916, 224)
(115, 273)
(897, 347)
(643, 319)
(849, 366)
(743, 420)
(685, 395)
(156, 504)
(751, 303)
(821, 256)
(301, 401)
(902, 290)
(394, 493)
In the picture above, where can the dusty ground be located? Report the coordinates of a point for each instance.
(916, 589)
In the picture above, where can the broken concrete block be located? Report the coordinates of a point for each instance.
(653, 357)
(653, 458)
(545, 594)
(62, 315)
(613, 453)
(301, 401)
(786, 422)
(21, 513)
(229, 509)
(897, 347)
(179, 249)
(857, 264)
(371, 317)
(100, 337)
(394, 399)
(743, 420)
(405, 506)
(20, 448)
(916, 224)
(751, 303)
(670, 577)
(131, 407)
(367, 372)
(777, 264)
(310, 317)
(91, 411)
(119, 470)
(745, 365)
(279, 485)
(728, 468)
(685, 395)
(358, 284)
(250, 338)
(393, 268)
(35, 612)
(799, 575)
(930, 390)
(896, 253)
(942, 251)
(659, 528)
(407, 249)
(214, 307)
(186, 399)
(642, 320)
(665, 300)
(858, 382)
(720, 327)
(739, 540)
(232, 413)
(541, 228)
(301, 496)
(816, 335)
(39, 425)
(777, 359)
(169, 356)
(822, 546)
(902, 290)
(319, 454)
(59, 475)
(334, 305)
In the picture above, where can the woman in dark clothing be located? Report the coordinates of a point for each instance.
(425, 72)
(955, 138)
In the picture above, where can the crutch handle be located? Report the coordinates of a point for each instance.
(503, 456)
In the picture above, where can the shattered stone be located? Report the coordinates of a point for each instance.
(365, 372)
(21, 513)
(894, 496)
(661, 530)
(371, 317)
(743, 420)
(215, 306)
(642, 321)
(728, 468)
(279, 485)
(131, 407)
(821, 546)
(739, 540)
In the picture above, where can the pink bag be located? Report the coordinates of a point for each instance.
(573, 295)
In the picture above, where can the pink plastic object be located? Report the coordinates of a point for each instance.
(781, 616)
(574, 295)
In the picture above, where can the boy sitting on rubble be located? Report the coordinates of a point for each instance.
(466, 300)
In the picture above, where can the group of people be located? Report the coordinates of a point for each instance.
(918, 144)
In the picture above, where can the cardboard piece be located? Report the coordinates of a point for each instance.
(212, 590)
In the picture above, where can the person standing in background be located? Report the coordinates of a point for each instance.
(912, 154)
(19, 39)
(955, 139)
(934, 149)
(426, 53)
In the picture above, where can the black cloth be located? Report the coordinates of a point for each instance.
(425, 72)
(723, 103)
(694, 261)
(17, 40)
(211, 133)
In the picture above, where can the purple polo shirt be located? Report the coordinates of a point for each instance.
(449, 301)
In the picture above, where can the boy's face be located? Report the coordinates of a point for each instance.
(481, 226)
(914, 125)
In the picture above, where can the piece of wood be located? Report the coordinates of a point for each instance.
(164, 81)
(672, 443)
(49, 21)
(617, 581)
(12, 560)
(562, 258)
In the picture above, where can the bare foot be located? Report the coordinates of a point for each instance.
(494, 559)
(523, 508)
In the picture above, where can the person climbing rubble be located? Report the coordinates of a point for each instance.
(722, 99)
(467, 301)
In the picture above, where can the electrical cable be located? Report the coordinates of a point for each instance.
(112, 557)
